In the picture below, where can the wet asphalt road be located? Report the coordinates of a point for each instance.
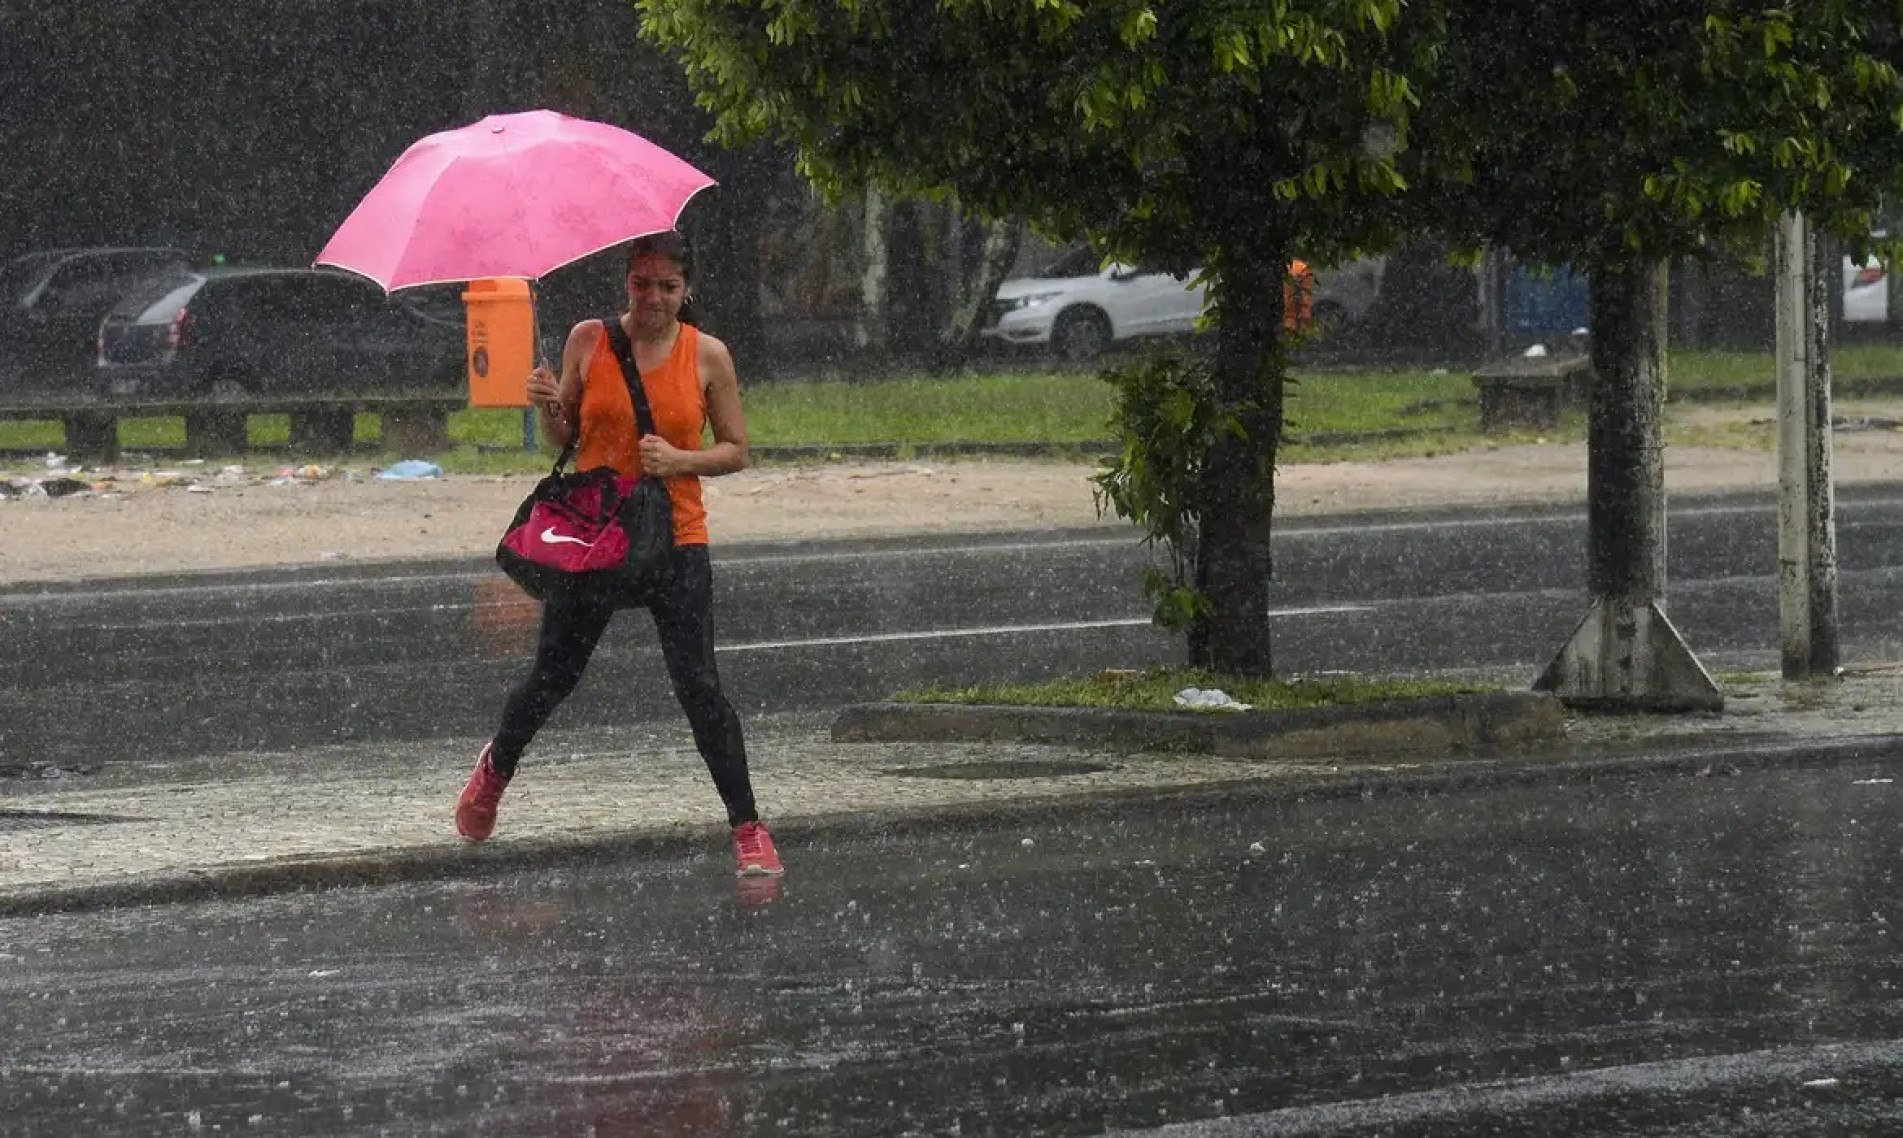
(1646, 955)
(161, 669)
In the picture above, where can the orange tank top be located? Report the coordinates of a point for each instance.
(679, 404)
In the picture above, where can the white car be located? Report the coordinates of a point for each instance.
(1079, 309)
(1866, 292)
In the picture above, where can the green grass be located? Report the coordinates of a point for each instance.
(1383, 414)
(992, 408)
(1704, 371)
(1155, 691)
(158, 433)
(1322, 403)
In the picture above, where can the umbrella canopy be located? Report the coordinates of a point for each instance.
(516, 195)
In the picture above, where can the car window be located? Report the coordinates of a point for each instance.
(284, 297)
(22, 273)
(1081, 262)
(157, 298)
(132, 267)
(339, 299)
(78, 287)
(78, 277)
(241, 299)
(94, 283)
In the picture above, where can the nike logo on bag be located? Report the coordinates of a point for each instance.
(550, 537)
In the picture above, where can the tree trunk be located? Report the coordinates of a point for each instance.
(1625, 654)
(1232, 554)
(978, 289)
(910, 318)
(871, 334)
(1625, 461)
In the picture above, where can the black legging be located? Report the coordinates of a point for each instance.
(683, 615)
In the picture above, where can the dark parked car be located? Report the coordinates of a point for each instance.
(51, 303)
(274, 335)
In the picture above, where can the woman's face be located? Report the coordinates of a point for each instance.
(656, 287)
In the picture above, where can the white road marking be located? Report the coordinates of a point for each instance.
(1770, 1070)
(993, 630)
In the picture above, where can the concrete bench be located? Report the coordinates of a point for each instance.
(1530, 391)
(411, 424)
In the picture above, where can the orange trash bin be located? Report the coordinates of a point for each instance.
(501, 342)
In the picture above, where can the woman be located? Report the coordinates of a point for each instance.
(689, 380)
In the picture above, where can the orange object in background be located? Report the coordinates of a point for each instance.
(501, 352)
(1298, 311)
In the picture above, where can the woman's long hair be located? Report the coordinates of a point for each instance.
(674, 247)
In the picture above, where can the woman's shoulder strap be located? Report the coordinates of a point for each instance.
(618, 341)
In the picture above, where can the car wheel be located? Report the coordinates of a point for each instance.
(1080, 335)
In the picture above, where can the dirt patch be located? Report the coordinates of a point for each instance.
(154, 521)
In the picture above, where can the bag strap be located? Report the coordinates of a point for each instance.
(623, 349)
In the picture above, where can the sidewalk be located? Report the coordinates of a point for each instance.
(227, 826)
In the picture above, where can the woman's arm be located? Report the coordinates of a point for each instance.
(562, 416)
(728, 454)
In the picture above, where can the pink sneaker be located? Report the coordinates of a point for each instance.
(753, 851)
(476, 808)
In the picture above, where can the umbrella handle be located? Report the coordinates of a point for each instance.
(535, 337)
(540, 359)
(535, 323)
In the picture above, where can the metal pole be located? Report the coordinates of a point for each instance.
(1806, 533)
(535, 354)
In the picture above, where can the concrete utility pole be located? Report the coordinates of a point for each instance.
(1806, 501)
(1490, 286)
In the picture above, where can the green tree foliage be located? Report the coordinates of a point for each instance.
(1574, 131)
(1617, 137)
(1171, 133)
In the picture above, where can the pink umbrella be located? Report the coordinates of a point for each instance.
(511, 196)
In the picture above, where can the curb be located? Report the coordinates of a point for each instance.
(1479, 721)
(458, 862)
(311, 872)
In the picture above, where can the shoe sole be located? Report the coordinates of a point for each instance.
(758, 871)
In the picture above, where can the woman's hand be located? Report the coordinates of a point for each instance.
(663, 459)
(544, 387)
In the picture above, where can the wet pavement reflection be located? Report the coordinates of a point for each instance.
(1669, 955)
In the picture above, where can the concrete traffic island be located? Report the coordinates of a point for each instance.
(1483, 722)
